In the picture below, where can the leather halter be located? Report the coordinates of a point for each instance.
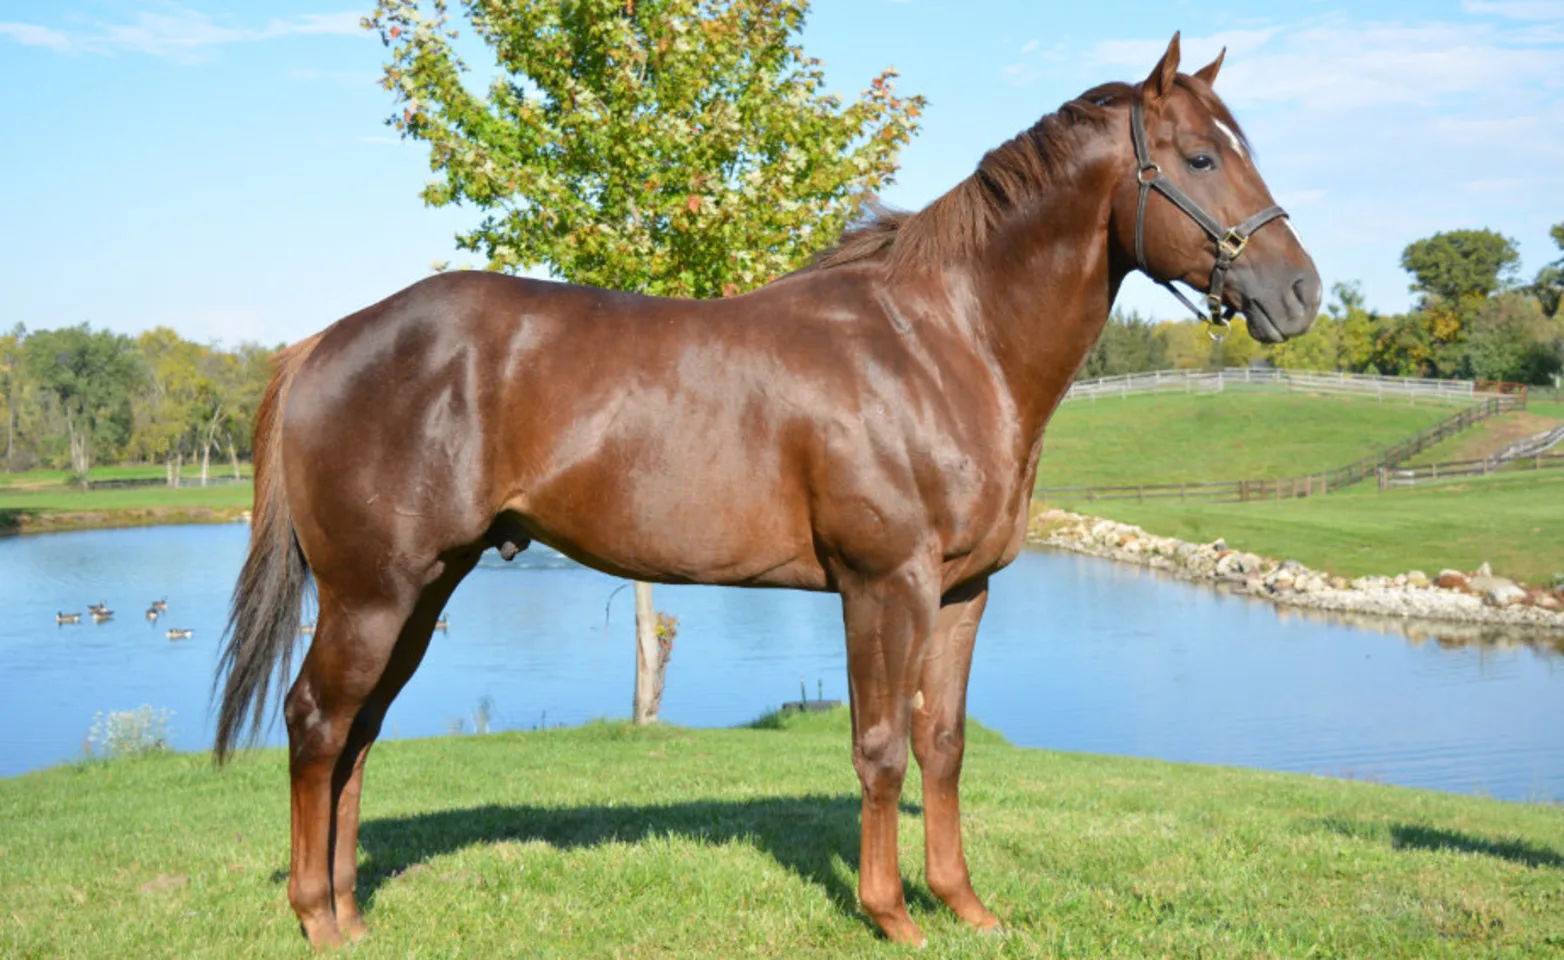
(1230, 241)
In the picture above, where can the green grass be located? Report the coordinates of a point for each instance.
(135, 471)
(1490, 436)
(60, 499)
(56, 508)
(1513, 520)
(1546, 408)
(1237, 434)
(606, 841)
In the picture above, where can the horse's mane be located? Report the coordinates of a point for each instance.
(958, 224)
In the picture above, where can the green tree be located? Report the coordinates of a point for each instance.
(1319, 349)
(1458, 264)
(89, 378)
(675, 147)
(1129, 344)
(1548, 288)
(253, 370)
(1511, 339)
(11, 386)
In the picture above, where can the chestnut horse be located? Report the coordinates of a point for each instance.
(869, 425)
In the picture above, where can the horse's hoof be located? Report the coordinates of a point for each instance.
(354, 928)
(322, 935)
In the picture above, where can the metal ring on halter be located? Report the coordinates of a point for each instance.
(1144, 180)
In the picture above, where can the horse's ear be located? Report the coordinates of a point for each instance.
(1160, 83)
(1208, 72)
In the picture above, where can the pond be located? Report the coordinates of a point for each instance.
(1074, 654)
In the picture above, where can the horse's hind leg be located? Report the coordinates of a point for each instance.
(405, 658)
(939, 724)
(367, 642)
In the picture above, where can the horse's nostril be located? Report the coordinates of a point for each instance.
(1307, 291)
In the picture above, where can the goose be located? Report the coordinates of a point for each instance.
(177, 634)
(152, 614)
(102, 614)
(442, 623)
(161, 606)
(98, 607)
(306, 629)
(67, 618)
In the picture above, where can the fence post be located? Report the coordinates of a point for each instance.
(1382, 478)
(645, 706)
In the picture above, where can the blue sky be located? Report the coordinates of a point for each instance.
(224, 168)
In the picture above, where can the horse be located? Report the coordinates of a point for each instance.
(869, 425)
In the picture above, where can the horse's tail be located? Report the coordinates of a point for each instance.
(263, 627)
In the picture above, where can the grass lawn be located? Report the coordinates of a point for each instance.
(46, 509)
(137, 471)
(1515, 521)
(1236, 434)
(606, 840)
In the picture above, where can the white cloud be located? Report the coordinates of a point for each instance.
(31, 35)
(1335, 66)
(177, 33)
(1517, 9)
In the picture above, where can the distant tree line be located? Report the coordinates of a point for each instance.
(77, 397)
(1474, 319)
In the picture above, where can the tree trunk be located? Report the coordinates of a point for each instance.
(206, 459)
(233, 456)
(645, 707)
(179, 466)
(168, 469)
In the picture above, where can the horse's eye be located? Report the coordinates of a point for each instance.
(1201, 163)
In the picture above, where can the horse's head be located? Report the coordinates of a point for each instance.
(1192, 207)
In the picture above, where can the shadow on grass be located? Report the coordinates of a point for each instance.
(806, 835)
(1412, 836)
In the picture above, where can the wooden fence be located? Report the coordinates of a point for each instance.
(1304, 485)
(1411, 389)
(1412, 476)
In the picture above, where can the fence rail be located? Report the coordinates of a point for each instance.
(1310, 484)
(1412, 476)
(1215, 381)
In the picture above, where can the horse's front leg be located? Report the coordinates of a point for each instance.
(939, 725)
(888, 619)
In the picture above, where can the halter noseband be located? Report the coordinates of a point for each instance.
(1230, 241)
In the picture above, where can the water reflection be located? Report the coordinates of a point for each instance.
(1075, 653)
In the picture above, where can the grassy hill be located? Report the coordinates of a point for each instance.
(1489, 437)
(606, 840)
(1236, 434)
(1513, 521)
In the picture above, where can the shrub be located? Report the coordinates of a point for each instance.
(129, 733)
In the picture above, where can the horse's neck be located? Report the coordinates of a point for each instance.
(1047, 284)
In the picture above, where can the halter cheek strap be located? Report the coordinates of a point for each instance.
(1230, 241)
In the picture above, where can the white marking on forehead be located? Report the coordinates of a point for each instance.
(1232, 138)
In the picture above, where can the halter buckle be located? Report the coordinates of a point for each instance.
(1142, 178)
(1233, 244)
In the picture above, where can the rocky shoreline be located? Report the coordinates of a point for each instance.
(1453, 596)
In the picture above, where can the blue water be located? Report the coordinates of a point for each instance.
(1074, 654)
